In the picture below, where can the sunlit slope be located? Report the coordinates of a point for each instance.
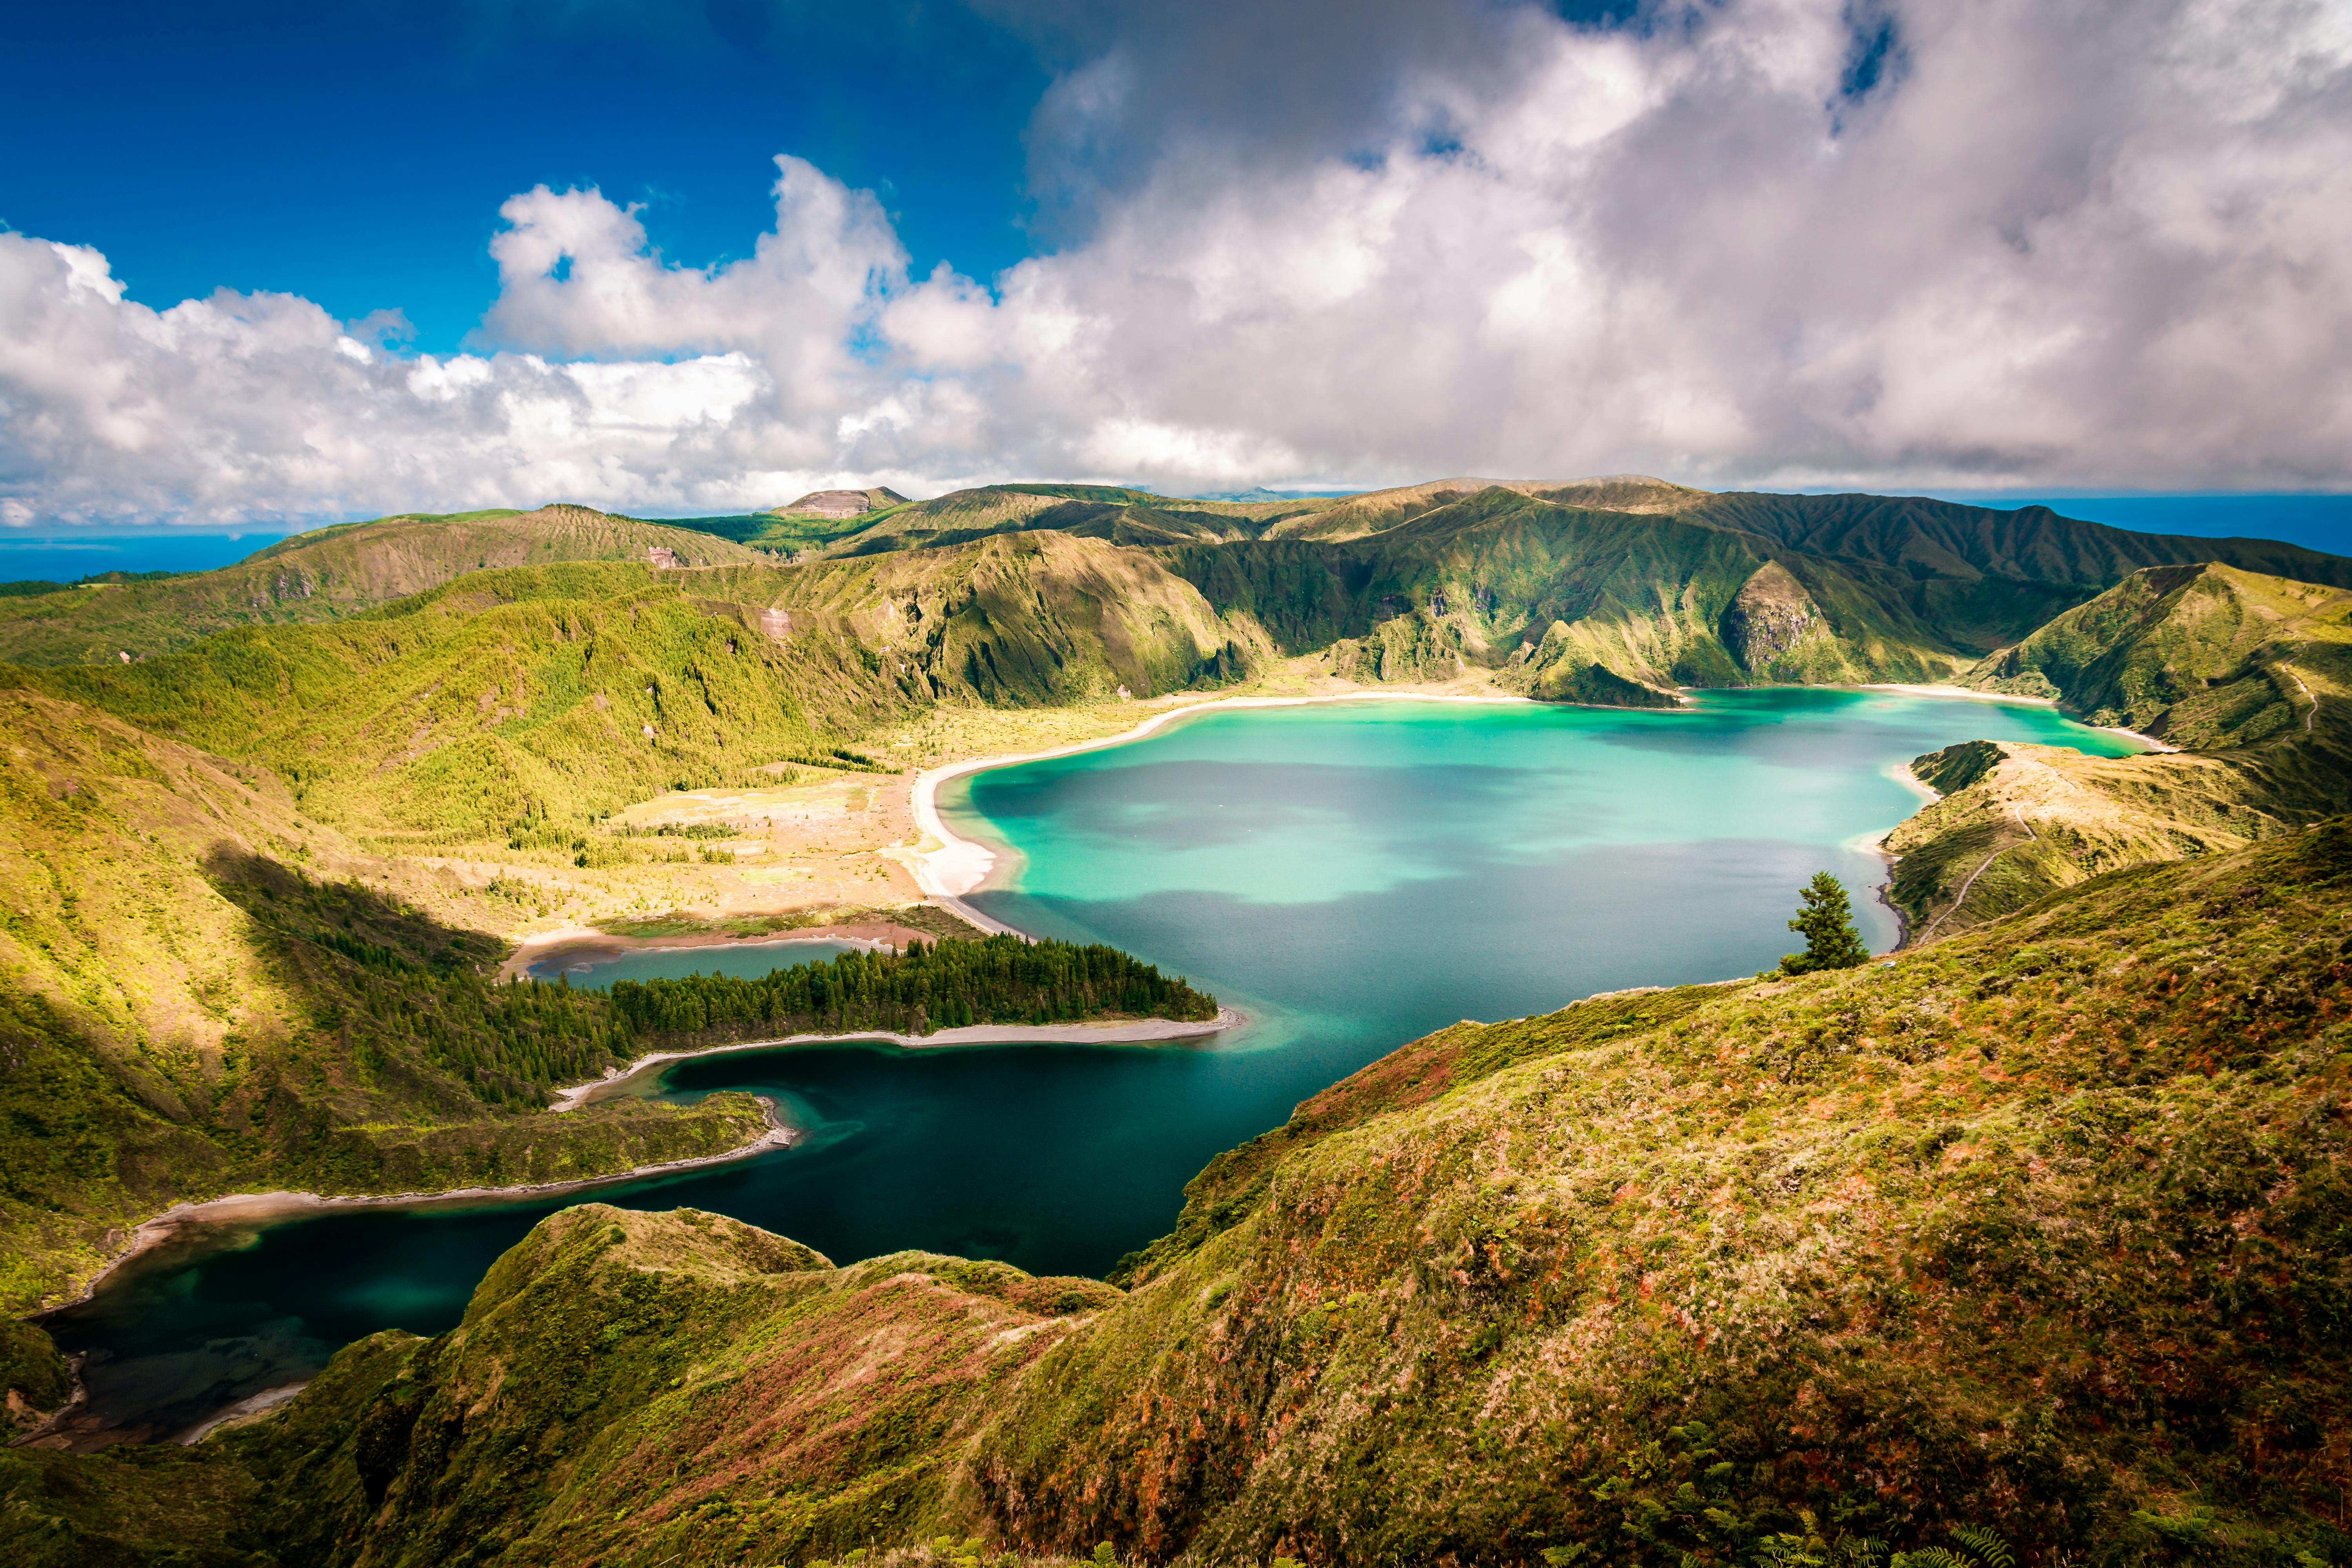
(205, 989)
(1025, 618)
(531, 693)
(1377, 511)
(327, 575)
(1113, 513)
(563, 693)
(1962, 1240)
(2253, 674)
(2204, 655)
(2040, 1230)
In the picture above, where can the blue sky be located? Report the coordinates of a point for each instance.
(357, 154)
(269, 263)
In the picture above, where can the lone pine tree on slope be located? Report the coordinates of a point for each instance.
(1825, 920)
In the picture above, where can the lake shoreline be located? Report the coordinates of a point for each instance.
(960, 866)
(581, 941)
(1132, 1031)
(2150, 741)
(230, 1208)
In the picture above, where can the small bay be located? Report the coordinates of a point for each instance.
(1351, 875)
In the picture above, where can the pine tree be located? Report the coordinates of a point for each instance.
(1825, 920)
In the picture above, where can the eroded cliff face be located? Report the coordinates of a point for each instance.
(1770, 616)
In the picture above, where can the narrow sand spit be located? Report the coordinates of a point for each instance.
(589, 945)
(1132, 1032)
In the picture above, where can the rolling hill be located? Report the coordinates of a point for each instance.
(205, 989)
(327, 575)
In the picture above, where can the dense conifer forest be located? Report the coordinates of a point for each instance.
(930, 986)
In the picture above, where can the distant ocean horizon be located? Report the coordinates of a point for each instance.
(2315, 521)
(66, 555)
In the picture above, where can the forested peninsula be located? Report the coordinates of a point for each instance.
(930, 986)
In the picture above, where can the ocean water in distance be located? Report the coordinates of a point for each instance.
(1352, 875)
(65, 557)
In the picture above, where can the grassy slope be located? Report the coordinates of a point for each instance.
(325, 575)
(2202, 656)
(528, 692)
(203, 990)
(2254, 671)
(183, 1032)
(1987, 577)
(2048, 1227)
(1024, 619)
(1376, 511)
(1554, 593)
(508, 693)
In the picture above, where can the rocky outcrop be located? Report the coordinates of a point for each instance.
(1772, 614)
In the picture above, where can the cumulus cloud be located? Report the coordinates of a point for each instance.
(1901, 243)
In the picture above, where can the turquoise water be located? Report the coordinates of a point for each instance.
(591, 970)
(1352, 875)
(1374, 870)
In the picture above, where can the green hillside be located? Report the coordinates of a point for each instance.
(325, 575)
(2040, 1235)
(563, 693)
(223, 962)
(2040, 1227)
(205, 989)
(532, 692)
(2205, 655)
(2251, 674)
(1985, 576)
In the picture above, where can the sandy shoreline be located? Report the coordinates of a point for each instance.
(256, 1207)
(960, 865)
(1134, 1032)
(2150, 741)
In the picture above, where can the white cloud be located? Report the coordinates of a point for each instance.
(2094, 245)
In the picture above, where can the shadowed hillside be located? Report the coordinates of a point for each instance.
(1560, 597)
(2205, 657)
(1987, 576)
